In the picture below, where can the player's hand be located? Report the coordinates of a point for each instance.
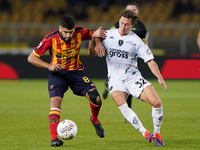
(99, 49)
(162, 82)
(99, 33)
(55, 67)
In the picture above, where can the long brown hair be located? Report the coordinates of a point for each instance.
(129, 14)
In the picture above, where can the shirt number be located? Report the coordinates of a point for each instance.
(86, 79)
(141, 82)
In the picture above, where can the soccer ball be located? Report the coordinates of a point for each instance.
(67, 129)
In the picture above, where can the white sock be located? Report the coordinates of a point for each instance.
(54, 108)
(130, 115)
(157, 115)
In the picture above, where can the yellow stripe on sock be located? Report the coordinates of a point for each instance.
(94, 104)
(54, 112)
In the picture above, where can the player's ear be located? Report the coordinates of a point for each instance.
(133, 24)
(59, 28)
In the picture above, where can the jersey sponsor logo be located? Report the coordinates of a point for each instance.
(118, 53)
(120, 42)
(64, 57)
(65, 50)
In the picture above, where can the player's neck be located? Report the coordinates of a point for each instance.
(122, 33)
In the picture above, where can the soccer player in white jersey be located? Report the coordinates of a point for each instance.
(123, 48)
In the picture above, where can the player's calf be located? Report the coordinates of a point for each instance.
(95, 105)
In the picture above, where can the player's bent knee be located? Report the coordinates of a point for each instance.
(94, 97)
(157, 104)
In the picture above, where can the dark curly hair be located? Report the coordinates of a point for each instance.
(67, 22)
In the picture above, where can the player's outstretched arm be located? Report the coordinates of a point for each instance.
(95, 45)
(33, 59)
(99, 33)
(155, 70)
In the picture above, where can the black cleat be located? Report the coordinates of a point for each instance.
(99, 129)
(105, 94)
(56, 142)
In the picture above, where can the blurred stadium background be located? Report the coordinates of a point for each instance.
(23, 23)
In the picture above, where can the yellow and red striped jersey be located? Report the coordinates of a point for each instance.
(61, 52)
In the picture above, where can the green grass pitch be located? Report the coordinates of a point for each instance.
(25, 104)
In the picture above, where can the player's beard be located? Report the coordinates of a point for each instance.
(65, 39)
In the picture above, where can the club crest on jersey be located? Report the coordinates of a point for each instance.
(120, 42)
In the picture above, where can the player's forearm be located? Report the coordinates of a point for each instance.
(37, 61)
(99, 48)
(154, 69)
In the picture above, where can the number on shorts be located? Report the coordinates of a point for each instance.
(86, 79)
(140, 82)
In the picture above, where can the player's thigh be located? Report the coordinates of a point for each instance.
(57, 85)
(81, 83)
(119, 97)
(150, 96)
(136, 86)
(116, 85)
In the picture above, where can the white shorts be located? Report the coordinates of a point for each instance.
(133, 86)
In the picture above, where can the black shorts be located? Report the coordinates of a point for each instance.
(78, 81)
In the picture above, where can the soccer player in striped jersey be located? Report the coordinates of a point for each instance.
(123, 48)
(66, 70)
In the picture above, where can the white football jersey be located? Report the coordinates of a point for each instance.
(122, 53)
